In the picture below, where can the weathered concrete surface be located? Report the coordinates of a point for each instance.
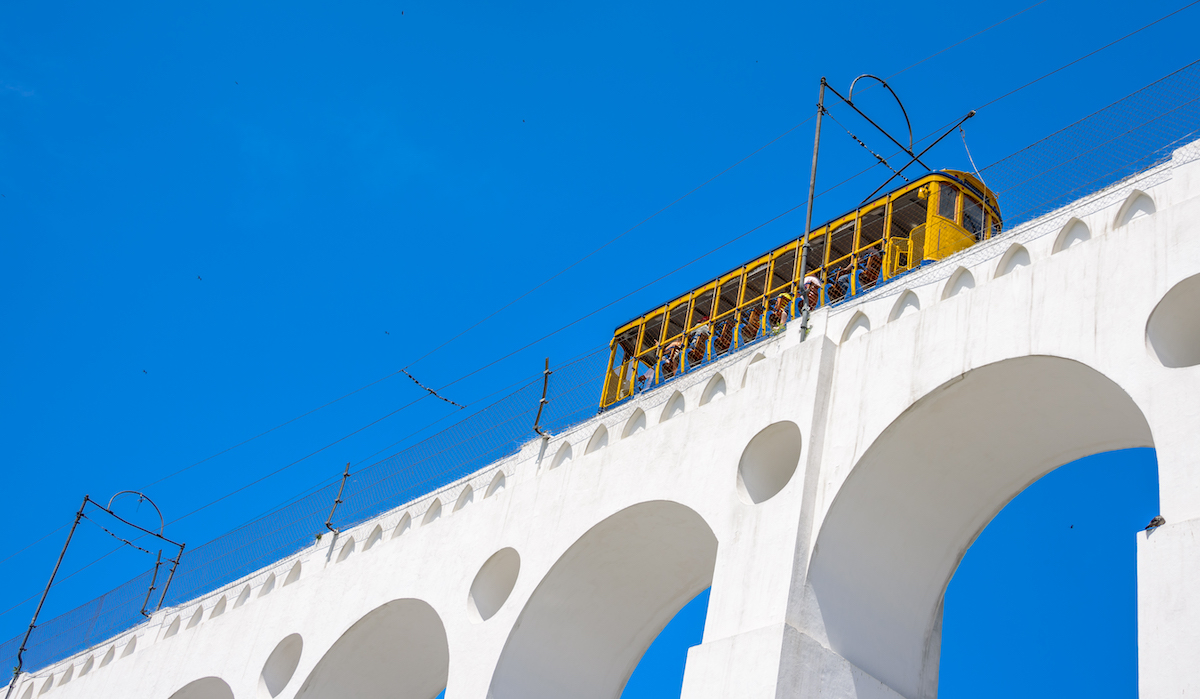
(826, 490)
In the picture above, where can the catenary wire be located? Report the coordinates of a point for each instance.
(987, 104)
(624, 233)
(527, 293)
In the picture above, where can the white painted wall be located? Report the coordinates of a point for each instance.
(826, 490)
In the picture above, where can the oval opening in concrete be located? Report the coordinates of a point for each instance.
(768, 462)
(1173, 331)
(280, 666)
(493, 584)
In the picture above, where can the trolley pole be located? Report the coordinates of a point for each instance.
(812, 184)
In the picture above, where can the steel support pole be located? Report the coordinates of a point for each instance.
(812, 185)
(33, 624)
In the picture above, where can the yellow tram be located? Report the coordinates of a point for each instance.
(925, 220)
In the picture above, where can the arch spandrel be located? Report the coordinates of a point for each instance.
(918, 496)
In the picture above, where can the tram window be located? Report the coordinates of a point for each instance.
(756, 282)
(871, 230)
(816, 253)
(701, 308)
(947, 200)
(908, 212)
(653, 330)
(995, 226)
(841, 241)
(784, 269)
(729, 296)
(973, 217)
(676, 320)
(626, 342)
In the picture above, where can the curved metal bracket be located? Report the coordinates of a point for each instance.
(850, 100)
(162, 524)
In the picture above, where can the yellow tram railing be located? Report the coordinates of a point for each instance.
(926, 220)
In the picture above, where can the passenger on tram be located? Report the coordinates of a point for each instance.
(697, 341)
(779, 310)
(670, 357)
(844, 275)
(838, 285)
(871, 267)
(812, 289)
(647, 377)
(752, 323)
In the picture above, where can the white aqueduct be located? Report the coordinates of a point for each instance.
(826, 490)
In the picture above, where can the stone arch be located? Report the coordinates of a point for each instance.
(466, 497)
(598, 441)
(676, 405)
(172, 628)
(881, 562)
(47, 686)
(715, 390)
(28, 694)
(758, 357)
(433, 513)
(218, 608)
(374, 537)
(496, 486)
(1073, 233)
(67, 676)
(907, 304)
(1015, 257)
(267, 586)
(197, 617)
(129, 647)
(396, 651)
(618, 584)
(562, 456)
(108, 657)
(859, 324)
(1136, 205)
(1173, 329)
(207, 688)
(243, 597)
(962, 280)
(294, 574)
(87, 665)
(636, 423)
(403, 525)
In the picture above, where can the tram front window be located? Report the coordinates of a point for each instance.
(947, 200)
(908, 212)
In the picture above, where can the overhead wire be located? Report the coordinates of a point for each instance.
(1018, 89)
(621, 235)
(543, 283)
(957, 43)
(693, 261)
(1088, 55)
(611, 303)
(701, 185)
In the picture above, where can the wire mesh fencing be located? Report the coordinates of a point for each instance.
(483, 437)
(1129, 136)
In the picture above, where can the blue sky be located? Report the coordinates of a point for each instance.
(212, 214)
